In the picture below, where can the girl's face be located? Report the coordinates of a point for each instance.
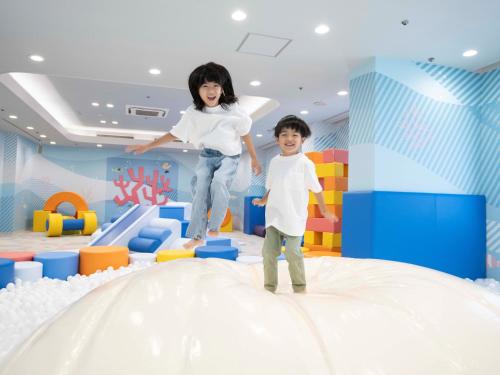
(210, 93)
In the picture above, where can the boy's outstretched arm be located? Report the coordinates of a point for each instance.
(322, 208)
(261, 201)
(256, 167)
(139, 149)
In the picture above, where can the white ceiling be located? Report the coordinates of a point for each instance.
(102, 51)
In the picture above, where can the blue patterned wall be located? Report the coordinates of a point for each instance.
(427, 127)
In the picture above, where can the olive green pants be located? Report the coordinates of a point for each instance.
(272, 249)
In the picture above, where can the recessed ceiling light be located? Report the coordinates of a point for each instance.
(258, 135)
(13, 117)
(469, 53)
(109, 105)
(182, 112)
(184, 150)
(239, 15)
(154, 71)
(52, 142)
(304, 112)
(255, 83)
(102, 121)
(114, 122)
(98, 145)
(95, 104)
(321, 29)
(342, 93)
(30, 127)
(43, 136)
(37, 58)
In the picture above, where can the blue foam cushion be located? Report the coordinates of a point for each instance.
(253, 215)
(167, 212)
(58, 264)
(143, 245)
(222, 241)
(73, 224)
(156, 233)
(6, 272)
(446, 232)
(223, 252)
(184, 227)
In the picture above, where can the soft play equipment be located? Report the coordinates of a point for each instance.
(55, 224)
(17, 256)
(252, 215)
(58, 264)
(28, 271)
(168, 255)
(227, 223)
(331, 168)
(95, 258)
(148, 258)
(6, 272)
(445, 232)
(358, 317)
(217, 251)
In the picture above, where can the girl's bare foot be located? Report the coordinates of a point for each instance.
(192, 243)
(213, 233)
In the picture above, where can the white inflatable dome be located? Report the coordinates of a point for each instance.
(196, 316)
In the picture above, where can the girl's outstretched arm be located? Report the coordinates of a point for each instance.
(139, 149)
(256, 167)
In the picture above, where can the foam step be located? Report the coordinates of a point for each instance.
(155, 233)
(147, 258)
(143, 245)
(28, 270)
(167, 212)
(6, 272)
(58, 264)
(222, 252)
(214, 241)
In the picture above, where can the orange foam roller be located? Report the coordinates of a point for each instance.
(314, 254)
(95, 258)
(17, 256)
(227, 218)
(65, 196)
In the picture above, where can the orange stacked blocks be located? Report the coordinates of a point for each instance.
(321, 236)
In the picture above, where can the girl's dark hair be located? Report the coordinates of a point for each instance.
(211, 72)
(294, 123)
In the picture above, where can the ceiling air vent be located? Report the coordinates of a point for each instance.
(115, 136)
(134, 110)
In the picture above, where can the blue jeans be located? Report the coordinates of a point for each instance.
(213, 176)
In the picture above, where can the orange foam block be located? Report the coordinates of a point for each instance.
(336, 155)
(335, 183)
(322, 248)
(95, 258)
(315, 254)
(314, 211)
(316, 157)
(317, 224)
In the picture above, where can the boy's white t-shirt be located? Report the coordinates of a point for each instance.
(289, 180)
(216, 128)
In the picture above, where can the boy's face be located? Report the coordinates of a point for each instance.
(289, 141)
(210, 93)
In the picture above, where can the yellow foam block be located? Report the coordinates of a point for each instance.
(330, 170)
(39, 219)
(228, 227)
(312, 237)
(330, 197)
(167, 255)
(331, 240)
(303, 249)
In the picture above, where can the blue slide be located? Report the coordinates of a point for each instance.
(118, 227)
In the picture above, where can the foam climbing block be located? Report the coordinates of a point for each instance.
(58, 264)
(330, 169)
(313, 210)
(187, 206)
(323, 248)
(259, 230)
(310, 236)
(322, 225)
(184, 227)
(17, 256)
(6, 272)
(346, 170)
(89, 223)
(222, 252)
(221, 241)
(335, 183)
(330, 197)
(315, 156)
(446, 232)
(54, 225)
(155, 233)
(73, 224)
(168, 255)
(332, 240)
(28, 271)
(39, 219)
(314, 254)
(95, 258)
(171, 212)
(252, 215)
(148, 258)
(144, 245)
(336, 155)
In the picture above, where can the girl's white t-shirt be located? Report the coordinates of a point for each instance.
(216, 128)
(289, 180)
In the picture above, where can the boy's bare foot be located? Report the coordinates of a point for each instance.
(213, 233)
(192, 243)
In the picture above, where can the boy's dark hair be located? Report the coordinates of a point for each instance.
(211, 72)
(294, 123)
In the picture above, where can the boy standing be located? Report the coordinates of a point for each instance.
(290, 177)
